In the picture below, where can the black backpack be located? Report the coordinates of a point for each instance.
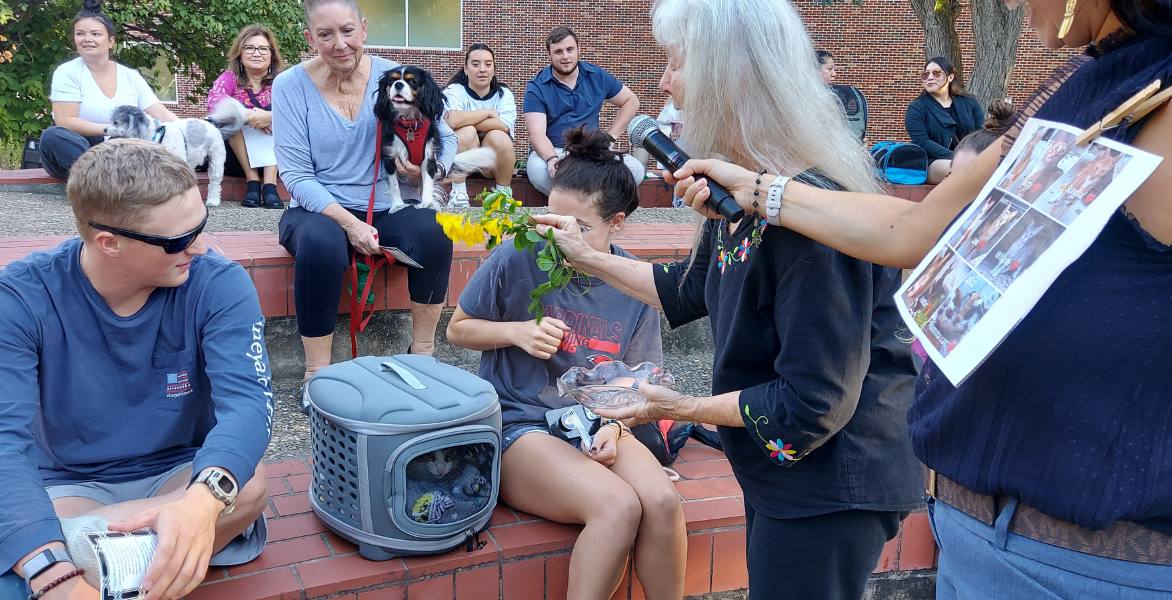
(854, 105)
(665, 438)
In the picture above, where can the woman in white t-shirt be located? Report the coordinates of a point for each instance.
(87, 89)
(483, 113)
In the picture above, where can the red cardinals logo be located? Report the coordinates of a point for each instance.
(598, 359)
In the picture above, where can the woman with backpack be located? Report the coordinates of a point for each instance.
(941, 117)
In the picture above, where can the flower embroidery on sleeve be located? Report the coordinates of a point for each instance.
(778, 450)
(781, 450)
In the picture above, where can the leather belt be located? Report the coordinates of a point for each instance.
(1121, 540)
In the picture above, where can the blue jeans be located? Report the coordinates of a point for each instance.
(979, 561)
(60, 148)
(12, 587)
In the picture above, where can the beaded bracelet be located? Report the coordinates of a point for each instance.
(757, 192)
(56, 582)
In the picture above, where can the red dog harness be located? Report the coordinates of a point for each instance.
(359, 317)
(414, 137)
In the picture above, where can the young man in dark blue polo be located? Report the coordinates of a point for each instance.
(566, 94)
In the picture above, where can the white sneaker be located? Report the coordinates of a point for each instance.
(458, 199)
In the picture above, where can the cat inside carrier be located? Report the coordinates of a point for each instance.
(406, 454)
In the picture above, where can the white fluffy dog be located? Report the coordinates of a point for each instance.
(193, 140)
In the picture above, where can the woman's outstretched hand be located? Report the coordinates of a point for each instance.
(566, 233)
(740, 182)
(660, 403)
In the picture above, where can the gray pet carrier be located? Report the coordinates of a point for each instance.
(406, 454)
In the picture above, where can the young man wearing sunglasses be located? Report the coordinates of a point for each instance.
(135, 386)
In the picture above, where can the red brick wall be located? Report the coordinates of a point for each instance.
(878, 46)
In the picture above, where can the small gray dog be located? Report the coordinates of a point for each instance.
(193, 140)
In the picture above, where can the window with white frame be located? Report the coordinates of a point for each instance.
(412, 23)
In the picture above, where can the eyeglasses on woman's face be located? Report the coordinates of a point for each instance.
(932, 74)
(262, 50)
(587, 228)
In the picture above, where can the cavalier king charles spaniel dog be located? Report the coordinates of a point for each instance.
(408, 106)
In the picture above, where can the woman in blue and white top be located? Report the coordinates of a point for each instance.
(87, 89)
(483, 113)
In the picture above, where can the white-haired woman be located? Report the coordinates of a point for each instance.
(1052, 459)
(324, 131)
(811, 383)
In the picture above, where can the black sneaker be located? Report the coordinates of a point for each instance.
(272, 200)
(252, 197)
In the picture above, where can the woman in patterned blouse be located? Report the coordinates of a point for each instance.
(253, 61)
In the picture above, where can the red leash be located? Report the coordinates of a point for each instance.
(358, 315)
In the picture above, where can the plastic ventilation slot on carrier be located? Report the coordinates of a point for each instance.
(335, 469)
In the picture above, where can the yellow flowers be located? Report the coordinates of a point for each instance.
(488, 226)
(460, 229)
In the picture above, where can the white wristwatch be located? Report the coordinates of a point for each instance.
(773, 200)
(222, 485)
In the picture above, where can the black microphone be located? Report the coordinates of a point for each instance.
(644, 131)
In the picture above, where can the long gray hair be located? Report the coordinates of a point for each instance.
(752, 90)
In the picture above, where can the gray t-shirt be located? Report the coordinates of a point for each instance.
(604, 322)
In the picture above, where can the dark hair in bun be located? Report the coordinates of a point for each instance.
(92, 9)
(1002, 116)
(592, 169)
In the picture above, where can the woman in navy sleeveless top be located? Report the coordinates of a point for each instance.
(1052, 462)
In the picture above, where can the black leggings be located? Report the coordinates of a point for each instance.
(321, 254)
(828, 557)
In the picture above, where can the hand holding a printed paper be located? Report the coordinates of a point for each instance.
(187, 533)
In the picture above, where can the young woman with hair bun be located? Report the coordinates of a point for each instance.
(616, 488)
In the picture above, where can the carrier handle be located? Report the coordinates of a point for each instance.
(410, 379)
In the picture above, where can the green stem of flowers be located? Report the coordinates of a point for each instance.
(497, 205)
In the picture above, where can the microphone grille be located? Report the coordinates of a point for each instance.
(639, 127)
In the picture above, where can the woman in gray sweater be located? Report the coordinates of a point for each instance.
(324, 129)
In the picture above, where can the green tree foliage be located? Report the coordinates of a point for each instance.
(192, 35)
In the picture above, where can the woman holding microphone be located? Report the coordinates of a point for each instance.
(1052, 458)
(812, 383)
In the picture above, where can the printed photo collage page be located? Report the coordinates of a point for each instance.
(1049, 185)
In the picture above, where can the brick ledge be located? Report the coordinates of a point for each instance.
(526, 558)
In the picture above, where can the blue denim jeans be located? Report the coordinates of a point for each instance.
(12, 587)
(979, 561)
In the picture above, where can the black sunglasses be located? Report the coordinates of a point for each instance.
(170, 245)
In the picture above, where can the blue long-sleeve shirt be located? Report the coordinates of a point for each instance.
(325, 158)
(87, 395)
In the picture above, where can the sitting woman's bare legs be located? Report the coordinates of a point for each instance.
(661, 547)
(938, 170)
(545, 476)
(506, 158)
(424, 319)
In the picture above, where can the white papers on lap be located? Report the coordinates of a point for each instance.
(260, 148)
(1042, 209)
(123, 559)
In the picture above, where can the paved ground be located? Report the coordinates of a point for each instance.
(49, 214)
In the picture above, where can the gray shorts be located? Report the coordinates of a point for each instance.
(116, 493)
(240, 550)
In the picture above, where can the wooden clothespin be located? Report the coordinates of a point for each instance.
(1136, 108)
